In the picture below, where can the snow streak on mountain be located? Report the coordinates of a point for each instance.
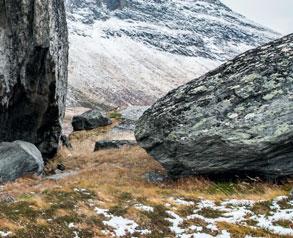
(130, 52)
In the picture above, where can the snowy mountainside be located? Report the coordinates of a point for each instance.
(126, 52)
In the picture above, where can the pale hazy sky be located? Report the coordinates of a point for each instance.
(276, 14)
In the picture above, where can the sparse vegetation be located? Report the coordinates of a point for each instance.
(284, 223)
(210, 213)
(262, 208)
(115, 115)
(114, 180)
(157, 222)
(238, 231)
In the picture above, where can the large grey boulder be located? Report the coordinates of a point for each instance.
(33, 72)
(237, 119)
(19, 158)
(90, 120)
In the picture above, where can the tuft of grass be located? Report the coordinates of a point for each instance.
(251, 222)
(285, 204)
(186, 210)
(284, 223)
(118, 210)
(210, 213)
(157, 223)
(125, 196)
(262, 208)
(240, 231)
(194, 222)
(115, 115)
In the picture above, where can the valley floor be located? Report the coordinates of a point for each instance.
(105, 194)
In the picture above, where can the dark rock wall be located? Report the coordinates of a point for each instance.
(33, 72)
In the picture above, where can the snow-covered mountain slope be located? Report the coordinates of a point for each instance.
(130, 52)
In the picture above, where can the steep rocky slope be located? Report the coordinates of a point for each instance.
(132, 52)
(237, 119)
(33, 72)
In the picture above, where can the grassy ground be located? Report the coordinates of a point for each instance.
(114, 180)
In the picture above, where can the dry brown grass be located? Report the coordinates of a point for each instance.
(111, 172)
(238, 231)
(116, 179)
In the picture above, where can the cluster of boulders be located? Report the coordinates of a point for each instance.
(93, 119)
(235, 120)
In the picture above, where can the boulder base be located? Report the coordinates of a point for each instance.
(113, 144)
(19, 158)
(235, 120)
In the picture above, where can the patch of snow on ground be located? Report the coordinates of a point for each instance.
(266, 222)
(121, 226)
(180, 201)
(231, 211)
(4, 234)
(144, 208)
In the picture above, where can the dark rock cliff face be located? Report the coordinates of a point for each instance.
(237, 119)
(33, 72)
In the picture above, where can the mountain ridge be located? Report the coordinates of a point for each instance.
(132, 52)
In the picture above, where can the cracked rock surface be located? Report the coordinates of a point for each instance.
(237, 119)
(33, 72)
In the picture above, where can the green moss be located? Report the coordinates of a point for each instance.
(68, 219)
(67, 200)
(125, 196)
(118, 210)
(18, 210)
(25, 196)
(115, 115)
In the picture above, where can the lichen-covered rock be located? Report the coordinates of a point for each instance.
(19, 158)
(90, 120)
(113, 144)
(33, 72)
(237, 119)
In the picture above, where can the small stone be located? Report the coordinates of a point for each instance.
(154, 177)
(61, 167)
(113, 144)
